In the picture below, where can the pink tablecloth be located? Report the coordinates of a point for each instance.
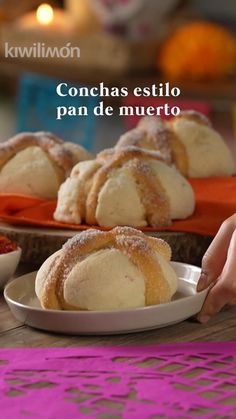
(171, 381)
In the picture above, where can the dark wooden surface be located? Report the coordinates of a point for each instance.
(13, 334)
(37, 245)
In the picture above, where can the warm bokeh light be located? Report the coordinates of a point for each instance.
(44, 14)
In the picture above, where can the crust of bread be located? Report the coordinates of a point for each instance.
(62, 155)
(48, 142)
(152, 134)
(179, 153)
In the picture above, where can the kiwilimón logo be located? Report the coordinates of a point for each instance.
(41, 50)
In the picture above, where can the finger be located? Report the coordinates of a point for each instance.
(204, 281)
(216, 255)
(224, 291)
(214, 302)
(228, 277)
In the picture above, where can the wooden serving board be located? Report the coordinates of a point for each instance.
(38, 244)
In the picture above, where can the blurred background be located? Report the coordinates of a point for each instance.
(190, 43)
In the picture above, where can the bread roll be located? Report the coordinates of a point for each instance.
(188, 141)
(36, 164)
(125, 187)
(112, 270)
(207, 153)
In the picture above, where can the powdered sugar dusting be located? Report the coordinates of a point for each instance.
(132, 244)
(82, 238)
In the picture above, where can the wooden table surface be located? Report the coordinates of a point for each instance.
(13, 334)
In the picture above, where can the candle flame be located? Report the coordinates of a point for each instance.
(45, 14)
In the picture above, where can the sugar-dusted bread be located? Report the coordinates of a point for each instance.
(36, 164)
(188, 141)
(118, 269)
(130, 186)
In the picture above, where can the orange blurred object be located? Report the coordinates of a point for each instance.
(198, 50)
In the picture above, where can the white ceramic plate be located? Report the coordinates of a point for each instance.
(8, 264)
(21, 298)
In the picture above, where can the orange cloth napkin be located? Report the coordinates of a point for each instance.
(215, 201)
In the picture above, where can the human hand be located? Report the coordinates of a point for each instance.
(219, 271)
